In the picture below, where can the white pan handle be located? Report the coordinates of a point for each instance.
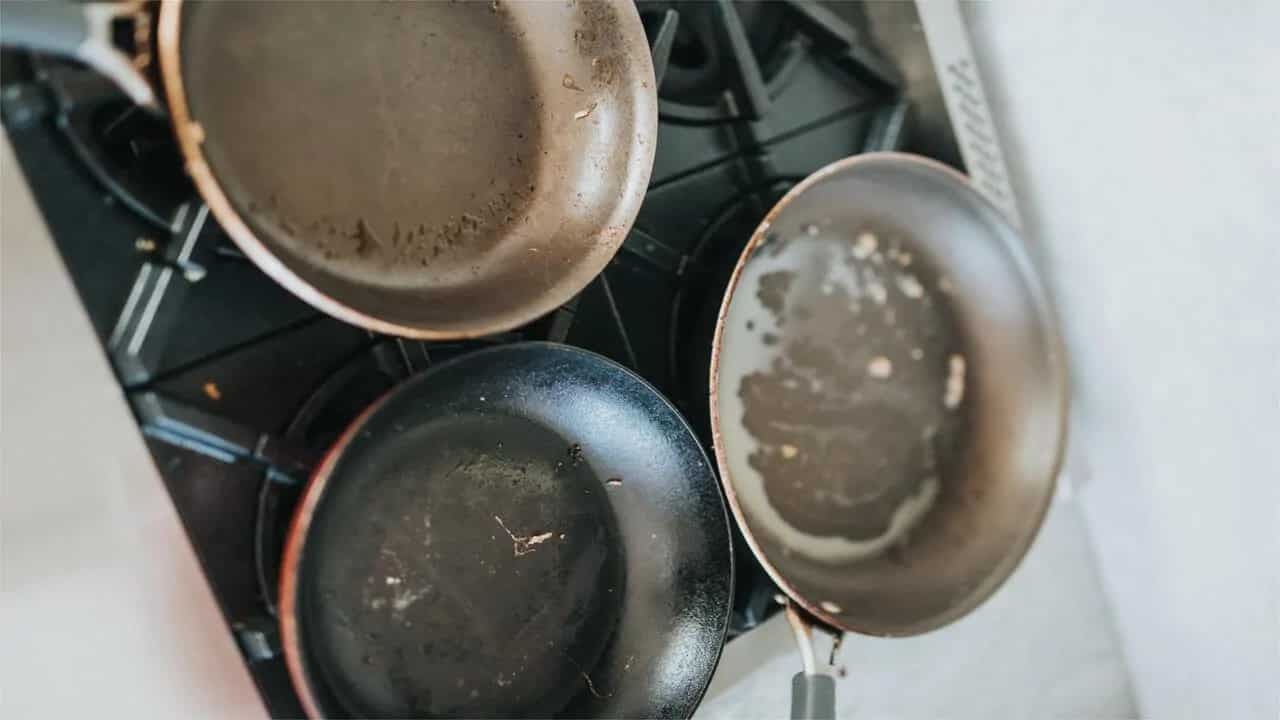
(80, 31)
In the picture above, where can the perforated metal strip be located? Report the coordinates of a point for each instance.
(966, 101)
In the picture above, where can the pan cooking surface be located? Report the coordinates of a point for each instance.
(479, 554)
(385, 156)
(448, 168)
(848, 381)
(527, 531)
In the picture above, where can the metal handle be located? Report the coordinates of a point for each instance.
(813, 695)
(81, 31)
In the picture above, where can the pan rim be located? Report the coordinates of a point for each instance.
(190, 137)
(292, 640)
(1056, 358)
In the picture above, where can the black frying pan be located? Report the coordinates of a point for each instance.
(425, 169)
(889, 401)
(526, 531)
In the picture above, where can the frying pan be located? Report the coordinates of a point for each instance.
(527, 531)
(427, 169)
(888, 401)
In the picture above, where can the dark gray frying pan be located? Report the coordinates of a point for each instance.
(526, 531)
(427, 169)
(889, 401)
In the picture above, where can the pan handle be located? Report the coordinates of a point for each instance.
(813, 697)
(80, 31)
(813, 694)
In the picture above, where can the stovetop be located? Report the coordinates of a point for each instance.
(238, 386)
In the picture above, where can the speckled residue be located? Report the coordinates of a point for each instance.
(823, 400)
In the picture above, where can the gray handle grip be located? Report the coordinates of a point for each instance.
(813, 697)
(79, 30)
(54, 27)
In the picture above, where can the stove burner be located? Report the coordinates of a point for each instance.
(711, 40)
(752, 47)
(702, 282)
(322, 417)
(129, 150)
(138, 149)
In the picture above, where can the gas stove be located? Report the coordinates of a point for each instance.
(239, 387)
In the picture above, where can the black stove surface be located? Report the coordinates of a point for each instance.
(239, 387)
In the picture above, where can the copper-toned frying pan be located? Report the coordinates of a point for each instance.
(888, 401)
(429, 169)
(528, 531)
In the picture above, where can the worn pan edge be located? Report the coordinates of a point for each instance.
(290, 563)
(1058, 370)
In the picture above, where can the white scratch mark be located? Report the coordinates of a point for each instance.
(405, 598)
(523, 544)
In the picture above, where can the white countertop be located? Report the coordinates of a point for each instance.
(104, 610)
(1145, 143)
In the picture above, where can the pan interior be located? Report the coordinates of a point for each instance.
(471, 571)
(451, 166)
(843, 391)
(889, 398)
(529, 531)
